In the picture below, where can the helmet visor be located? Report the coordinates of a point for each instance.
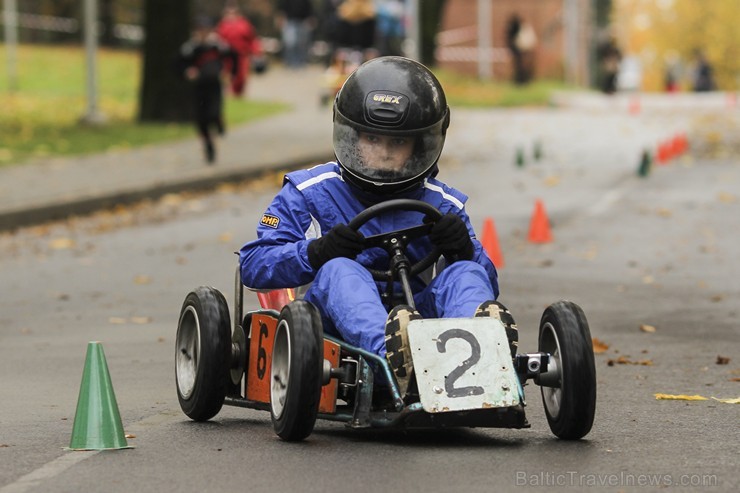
(386, 157)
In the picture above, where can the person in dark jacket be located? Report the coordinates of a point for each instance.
(201, 62)
(296, 21)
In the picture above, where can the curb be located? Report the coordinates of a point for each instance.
(34, 215)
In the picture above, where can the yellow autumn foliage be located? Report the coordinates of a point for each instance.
(661, 32)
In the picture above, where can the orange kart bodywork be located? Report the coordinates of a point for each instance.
(262, 329)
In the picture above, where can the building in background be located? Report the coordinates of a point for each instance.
(564, 29)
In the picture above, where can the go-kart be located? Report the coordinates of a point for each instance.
(277, 358)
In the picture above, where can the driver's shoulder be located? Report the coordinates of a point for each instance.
(306, 178)
(445, 196)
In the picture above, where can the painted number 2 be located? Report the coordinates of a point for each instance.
(450, 388)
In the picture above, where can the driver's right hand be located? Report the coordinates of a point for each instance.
(340, 241)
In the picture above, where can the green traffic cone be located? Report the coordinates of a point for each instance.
(97, 420)
(519, 157)
(645, 163)
(537, 151)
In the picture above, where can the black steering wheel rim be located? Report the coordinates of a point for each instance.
(399, 204)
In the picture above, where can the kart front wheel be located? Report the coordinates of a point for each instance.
(203, 345)
(295, 376)
(569, 385)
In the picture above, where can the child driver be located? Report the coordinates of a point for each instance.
(390, 121)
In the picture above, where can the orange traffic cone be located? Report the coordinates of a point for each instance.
(662, 154)
(539, 226)
(489, 240)
(684, 142)
(677, 145)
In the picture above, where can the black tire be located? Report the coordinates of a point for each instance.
(295, 373)
(203, 348)
(568, 393)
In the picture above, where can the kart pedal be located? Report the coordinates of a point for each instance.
(497, 310)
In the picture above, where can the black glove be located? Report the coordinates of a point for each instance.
(451, 235)
(340, 241)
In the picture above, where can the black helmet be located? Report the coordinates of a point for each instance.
(390, 121)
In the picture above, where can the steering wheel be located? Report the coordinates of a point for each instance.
(392, 241)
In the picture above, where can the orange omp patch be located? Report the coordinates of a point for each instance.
(270, 221)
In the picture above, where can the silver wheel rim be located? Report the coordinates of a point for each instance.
(552, 396)
(188, 352)
(280, 369)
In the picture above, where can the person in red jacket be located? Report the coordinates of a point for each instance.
(241, 36)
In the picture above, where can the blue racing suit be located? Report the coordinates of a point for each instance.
(312, 201)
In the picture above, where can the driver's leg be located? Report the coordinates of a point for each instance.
(456, 292)
(349, 303)
(463, 290)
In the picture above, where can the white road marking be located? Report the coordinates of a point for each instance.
(607, 200)
(47, 471)
(70, 458)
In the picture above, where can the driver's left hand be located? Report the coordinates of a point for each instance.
(451, 235)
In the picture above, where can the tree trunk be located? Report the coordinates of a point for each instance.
(165, 96)
(430, 14)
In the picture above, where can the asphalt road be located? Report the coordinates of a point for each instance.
(657, 251)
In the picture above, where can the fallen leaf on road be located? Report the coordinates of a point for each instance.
(623, 360)
(117, 320)
(680, 397)
(722, 360)
(648, 279)
(141, 320)
(735, 379)
(130, 435)
(663, 212)
(599, 346)
(647, 328)
(728, 401)
(726, 198)
(552, 181)
(717, 298)
(226, 237)
(61, 244)
(142, 279)
(171, 199)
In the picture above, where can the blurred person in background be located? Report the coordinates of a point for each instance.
(241, 36)
(296, 21)
(201, 61)
(703, 73)
(610, 58)
(390, 29)
(357, 24)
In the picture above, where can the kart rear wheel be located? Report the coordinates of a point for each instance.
(203, 346)
(295, 375)
(569, 385)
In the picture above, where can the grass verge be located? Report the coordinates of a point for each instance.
(466, 91)
(41, 117)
